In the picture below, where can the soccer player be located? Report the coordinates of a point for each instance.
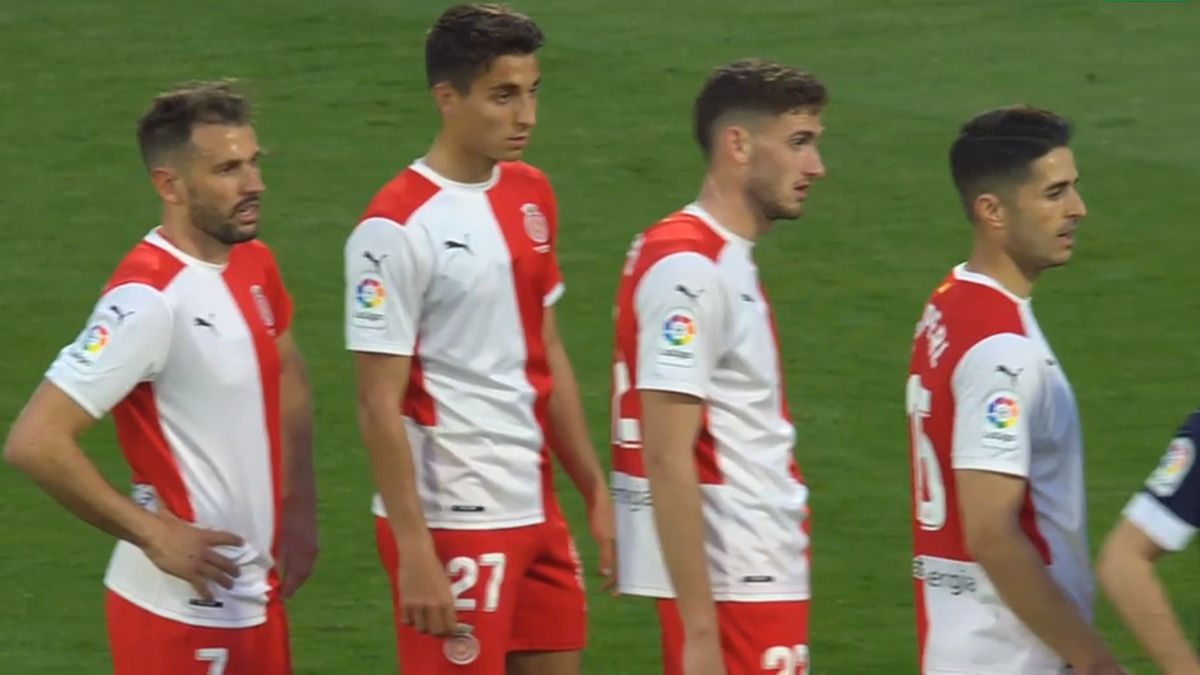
(190, 348)
(1001, 570)
(701, 427)
(463, 382)
(1162, 517)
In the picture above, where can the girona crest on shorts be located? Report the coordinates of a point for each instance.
(462, 648)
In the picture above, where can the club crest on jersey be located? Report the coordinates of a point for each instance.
(676, 345)
(264, 308)
(1001, 414)
(463, 648)
(1173, 467)
(537, 227)
(369, 300)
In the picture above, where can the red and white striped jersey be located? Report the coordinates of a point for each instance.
(985, 392)
(458, 277)
(692, 317)
(183, 352)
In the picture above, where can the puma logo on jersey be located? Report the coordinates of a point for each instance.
(120, 315)
(377, 263)
(206, 323)
(694, 295)
(747, 297)
(1010, 372)
(464, 245)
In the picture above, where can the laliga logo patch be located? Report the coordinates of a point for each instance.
(1003, 411)
(536, 227)
(676, 346)
(1172, 468)
(463, 647)
(369, 299)
(91, 343)
(264, 308)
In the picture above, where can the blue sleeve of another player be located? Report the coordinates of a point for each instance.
(1168, 507)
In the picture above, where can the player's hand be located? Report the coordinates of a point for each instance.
(601, 520)
(298, 545)
(702, 655)
(425, 600)
(185, 551)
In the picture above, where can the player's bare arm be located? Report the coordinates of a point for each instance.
(43, 443)
(990, 505)
(1125, 569)
(573, 447)
(298, 540)
(426, 602)
(670, 425)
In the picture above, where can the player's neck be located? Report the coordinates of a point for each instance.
(456, 163)
(728, 204)
(189, 239)
(1002, 268)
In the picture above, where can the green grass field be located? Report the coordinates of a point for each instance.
(342, 107)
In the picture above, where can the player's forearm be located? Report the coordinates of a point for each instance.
(669, 432)
(299, 482)
(570, 442)
(1020, 577)
(1130, 582)
(393, 470)
(60, 467)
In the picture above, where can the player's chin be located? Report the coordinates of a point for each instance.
(509, 154)
(241, 232)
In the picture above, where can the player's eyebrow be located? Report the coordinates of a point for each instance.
(1058, 186)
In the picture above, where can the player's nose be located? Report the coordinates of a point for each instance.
(816, 166)
(254, 183)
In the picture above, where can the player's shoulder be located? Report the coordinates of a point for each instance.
(682, 232)
(253, 255)
(521, 172)
(400, 197)
(970, 305)
(146, 265)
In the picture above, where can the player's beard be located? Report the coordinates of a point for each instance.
(762, 192)
(220, 226)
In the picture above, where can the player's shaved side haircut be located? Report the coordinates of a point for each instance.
(467, 38)
(753, 86)
(166, 128)
(994, 150)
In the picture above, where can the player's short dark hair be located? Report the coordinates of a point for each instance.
(466, 39)
(994, 150)
(166, 127)
(754, 86)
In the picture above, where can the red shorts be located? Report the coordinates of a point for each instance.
(756, 637)
(144, 643)
(520, 589)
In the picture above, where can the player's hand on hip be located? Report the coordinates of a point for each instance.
(183, 550)
(601, 520)
(702, 655)
(426, 603)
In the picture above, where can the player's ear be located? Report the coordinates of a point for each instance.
(168, 183)
(736, 141)
(988, 209)
(445, 96)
